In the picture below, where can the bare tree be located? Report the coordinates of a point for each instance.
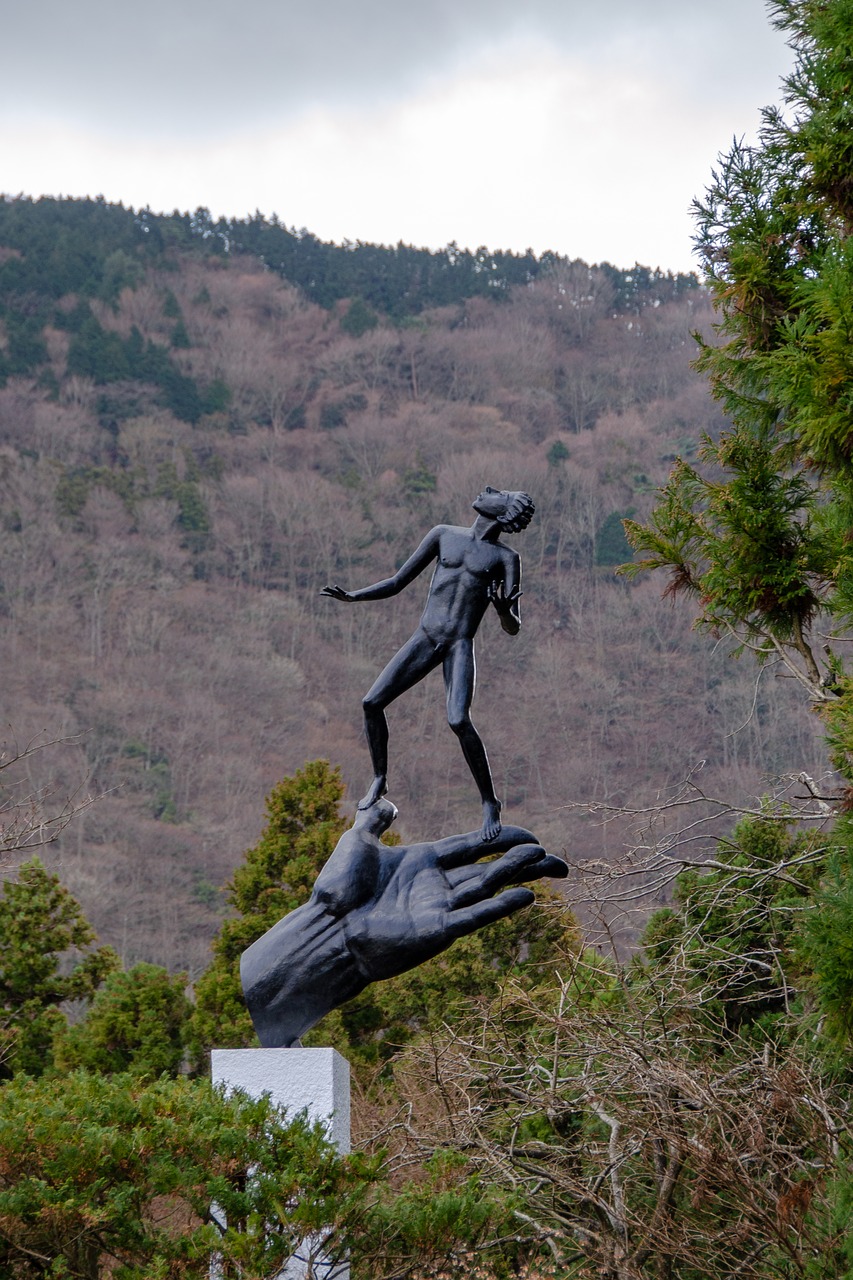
(34, 812)
(668, 1114)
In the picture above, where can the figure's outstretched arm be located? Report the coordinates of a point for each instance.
(416, 563)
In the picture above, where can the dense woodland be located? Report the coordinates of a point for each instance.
(646, 1076)
(192, 446)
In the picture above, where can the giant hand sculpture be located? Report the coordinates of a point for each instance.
(376, 911)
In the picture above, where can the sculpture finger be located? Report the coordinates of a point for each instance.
(461, 875)
(468, 919)
(485, 880)
(548, 865)
(457, 851)
(556, 868)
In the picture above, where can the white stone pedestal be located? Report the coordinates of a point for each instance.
(312, 1080)
(315, 1081)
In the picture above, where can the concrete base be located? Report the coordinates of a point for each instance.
(313, 1081)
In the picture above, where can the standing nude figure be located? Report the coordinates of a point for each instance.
(474, 570)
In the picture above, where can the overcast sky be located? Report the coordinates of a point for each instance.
(582, 126)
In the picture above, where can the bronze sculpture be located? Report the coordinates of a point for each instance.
(474, 569)
(376, 911)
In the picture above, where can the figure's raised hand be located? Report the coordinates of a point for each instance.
(498, 596)
(337, 593)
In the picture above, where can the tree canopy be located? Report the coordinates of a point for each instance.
(759, 536)
(48, 957)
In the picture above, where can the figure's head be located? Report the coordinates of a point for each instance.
(510, 508)
(378, 817)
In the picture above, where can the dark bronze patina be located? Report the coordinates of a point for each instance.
(474, 569)
(376, 911)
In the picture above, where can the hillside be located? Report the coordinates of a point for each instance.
(194, 439)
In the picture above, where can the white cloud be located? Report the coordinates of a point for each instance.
(528, 142)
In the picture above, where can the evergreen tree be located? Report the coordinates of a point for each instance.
(107, 1175)
(761, 535)
(180, 338)
(734, 932)
(137, 1022)
(826, 943)
(47, 958)
(303, 827)
(611, 545)
(358, 318)
(96, 352)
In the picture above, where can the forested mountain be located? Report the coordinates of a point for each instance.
(64, 246)
(202, 423)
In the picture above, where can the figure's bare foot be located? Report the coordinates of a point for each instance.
(491, 819)
(378, 788)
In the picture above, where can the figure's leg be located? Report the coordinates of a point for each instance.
(459, 677)
(416, 659)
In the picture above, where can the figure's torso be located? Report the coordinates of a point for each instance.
(459, 592)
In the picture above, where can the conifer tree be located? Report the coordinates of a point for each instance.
(760, 536)
(137, 1022)
(110, 1175)
(47, 957)
(303, 826)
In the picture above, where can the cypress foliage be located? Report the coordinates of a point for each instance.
(48, 957)
(303, 827)
(759, 535)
